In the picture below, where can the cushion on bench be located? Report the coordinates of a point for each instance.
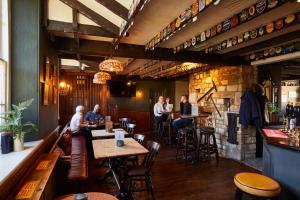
(78, 170)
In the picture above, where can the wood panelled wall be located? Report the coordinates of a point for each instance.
(82, 91)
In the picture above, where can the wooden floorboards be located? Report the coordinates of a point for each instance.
(174, 180)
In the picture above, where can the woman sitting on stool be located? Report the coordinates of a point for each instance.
(160, 117)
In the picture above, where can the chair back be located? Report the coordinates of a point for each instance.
(124, 121)
(139, 138)
(153, 148)
(130, 129)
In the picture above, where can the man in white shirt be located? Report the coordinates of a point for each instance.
(158, 113)
(76, 124)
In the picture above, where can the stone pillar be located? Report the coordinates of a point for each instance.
(231, 82)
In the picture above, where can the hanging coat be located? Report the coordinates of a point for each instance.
(250, 113)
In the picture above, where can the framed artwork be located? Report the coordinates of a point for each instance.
(45, 88)
(55, 92)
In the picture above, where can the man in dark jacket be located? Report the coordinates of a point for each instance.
(185, 109)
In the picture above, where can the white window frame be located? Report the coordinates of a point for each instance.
(5, 56)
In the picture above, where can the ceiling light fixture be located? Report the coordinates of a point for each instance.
(111, 65)
(101, 77)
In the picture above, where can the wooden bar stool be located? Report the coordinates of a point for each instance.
(207, 134)
(256, 185)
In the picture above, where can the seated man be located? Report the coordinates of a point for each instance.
(185, 109)
(93, 116)
(158, 113)
(77, 125)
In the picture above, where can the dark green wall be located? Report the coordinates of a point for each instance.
(142, 103)
(28, 47)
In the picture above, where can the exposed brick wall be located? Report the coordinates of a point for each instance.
(231, 82)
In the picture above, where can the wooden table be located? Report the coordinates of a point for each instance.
(103, 134)
(107, 148)
(91, 196)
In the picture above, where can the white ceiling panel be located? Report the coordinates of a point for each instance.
(84, 20)
(59, 11)
(102, 11)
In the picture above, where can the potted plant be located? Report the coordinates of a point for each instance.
(273, 110)
(13, 124)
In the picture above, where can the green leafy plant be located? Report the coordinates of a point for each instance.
(272, 108)
(13, 120)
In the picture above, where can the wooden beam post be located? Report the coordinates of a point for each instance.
(115, 7)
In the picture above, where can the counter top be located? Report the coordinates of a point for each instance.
(8, 162)
(283, 142)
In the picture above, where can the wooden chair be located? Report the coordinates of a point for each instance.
(134, 159)
(143, 172)
(123, 122)
(130, 129)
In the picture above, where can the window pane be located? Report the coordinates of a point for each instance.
(2, 82)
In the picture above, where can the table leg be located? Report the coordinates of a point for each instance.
(121, 179)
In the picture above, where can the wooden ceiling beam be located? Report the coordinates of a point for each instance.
(115, 7)
(283, 39)
(82, 29)
(98, 48)
(98, 19)
(82, 57)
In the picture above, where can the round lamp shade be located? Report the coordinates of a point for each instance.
(111, 65)
(101, 77)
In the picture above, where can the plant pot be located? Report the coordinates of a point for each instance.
(6, 142)
(18, 143)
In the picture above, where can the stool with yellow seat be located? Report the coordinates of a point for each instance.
(256, 185)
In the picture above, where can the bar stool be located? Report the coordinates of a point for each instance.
(205, 146)
(167, 132)
(186, 142)
(256, 185)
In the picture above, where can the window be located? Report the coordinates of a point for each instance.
(3, 86)
(4, 55)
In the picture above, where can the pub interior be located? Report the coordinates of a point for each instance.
(150, 99)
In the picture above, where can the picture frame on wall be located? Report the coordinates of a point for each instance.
(45, 91)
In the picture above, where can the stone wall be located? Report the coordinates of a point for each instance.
(231, 82)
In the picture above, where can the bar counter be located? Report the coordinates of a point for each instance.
(281, 161)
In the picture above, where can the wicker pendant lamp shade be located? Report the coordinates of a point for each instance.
(101, 78)
(111, 65)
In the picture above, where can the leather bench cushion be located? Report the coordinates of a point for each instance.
(79, 158)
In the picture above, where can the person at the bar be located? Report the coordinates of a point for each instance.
(185, 109)
(77, 124)
(95, 115)
(167, 105)
(160, 117)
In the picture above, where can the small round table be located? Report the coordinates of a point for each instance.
(91, 196)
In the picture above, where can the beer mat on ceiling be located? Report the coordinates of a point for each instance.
(274, 133)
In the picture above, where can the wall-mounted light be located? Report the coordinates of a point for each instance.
(139, 93)
(64, 88)
(62, 84)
